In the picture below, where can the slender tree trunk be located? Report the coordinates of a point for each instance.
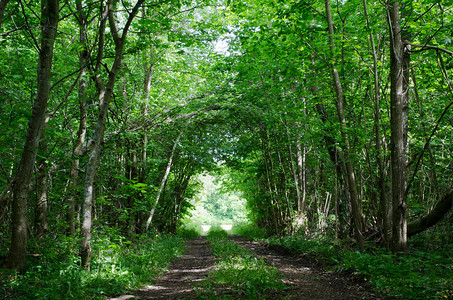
(18, 248)
(285, 186)
(273, 176)
(300, 153)
(146, 90)
(167, 172)
(356, 213)
(399, 84)
(384, 204)
(144, 151)
(81, 132)
(268, 181)
(105, 96)
(41, 184)
(296, 172)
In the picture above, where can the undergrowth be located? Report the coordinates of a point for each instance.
(415, 275)
(117, 266)
(188, 232)
(239, 271)
(249, 230)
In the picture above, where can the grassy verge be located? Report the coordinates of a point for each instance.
(416, 275)
(118, 266)
(238, 271)
(249, 230)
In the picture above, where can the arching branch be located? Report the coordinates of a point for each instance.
(430, 219)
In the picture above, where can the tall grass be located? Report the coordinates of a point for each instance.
(249, 230)
(239, 271)
(118, 266)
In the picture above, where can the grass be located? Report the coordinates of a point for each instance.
(416, 275)
(118, 266)
(188, 232)
(249, 230)
(238, 271)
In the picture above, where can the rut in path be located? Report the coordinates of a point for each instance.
(192, 267)
(303, 278)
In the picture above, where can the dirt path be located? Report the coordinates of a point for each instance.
(193, 266)
(304, 279)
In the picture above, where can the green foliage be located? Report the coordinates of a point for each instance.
(415, 275)
(217, 233)
(249, 230)
(248, 275)
(213, 206)
(221, 246)
(238, 269)
(264, 86)
(118, 266)
(188, 232)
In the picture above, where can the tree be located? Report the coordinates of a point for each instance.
(356, 208)
(399, 86)
(18, 249)
(105, 95)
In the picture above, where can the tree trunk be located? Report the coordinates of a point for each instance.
(288, 210)
(105, 95)
(435, 215)
(300, 153)
(399, 84)
(18, 249)
(298, 173)
(145, 96)
(268, 181)
(384, 218)
(167, 172)
(81, 132)
(356, 213)
(41, 185)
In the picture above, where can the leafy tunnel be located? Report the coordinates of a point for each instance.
(330, 118)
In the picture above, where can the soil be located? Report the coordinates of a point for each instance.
(305, 279)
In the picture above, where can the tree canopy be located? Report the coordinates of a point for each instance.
(329, 117)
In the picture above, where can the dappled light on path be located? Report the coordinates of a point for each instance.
(304, 279)
(183, 273)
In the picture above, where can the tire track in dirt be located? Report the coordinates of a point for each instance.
(304, 279)
(177, 283)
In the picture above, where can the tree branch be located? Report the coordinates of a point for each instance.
(426, 47)
(440, 209)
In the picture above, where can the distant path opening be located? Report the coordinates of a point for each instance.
(215, 207)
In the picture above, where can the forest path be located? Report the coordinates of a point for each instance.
(178, 282)
(304, 279)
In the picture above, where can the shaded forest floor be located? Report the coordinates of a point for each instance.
(304, 279)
